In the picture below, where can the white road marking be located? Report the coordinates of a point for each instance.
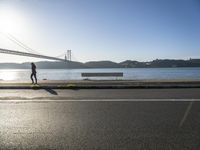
(186, 113)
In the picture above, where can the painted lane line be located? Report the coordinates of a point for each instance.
(186, 113)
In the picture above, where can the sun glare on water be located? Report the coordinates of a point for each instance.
(7, 75)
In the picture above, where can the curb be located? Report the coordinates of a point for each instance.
(102, 87)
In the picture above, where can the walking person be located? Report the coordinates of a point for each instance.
(33, 74)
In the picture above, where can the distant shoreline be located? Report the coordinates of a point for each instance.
(99, 68)
(158, 63)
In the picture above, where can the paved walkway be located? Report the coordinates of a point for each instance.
(101, 84)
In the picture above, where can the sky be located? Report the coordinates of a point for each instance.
(94, 30)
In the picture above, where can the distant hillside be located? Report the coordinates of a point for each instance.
(158, 63)
(59, 65)
(44, 65)
(102, 64)
(132, 64)
(11, 66)
(161, 63)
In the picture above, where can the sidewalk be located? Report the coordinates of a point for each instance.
(100, 84)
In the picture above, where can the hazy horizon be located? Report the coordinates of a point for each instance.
(43, 60)
(112, 30)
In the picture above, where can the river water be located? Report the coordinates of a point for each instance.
(129, 73)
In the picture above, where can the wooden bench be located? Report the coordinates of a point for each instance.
(102, 74)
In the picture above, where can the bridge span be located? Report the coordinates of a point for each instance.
(14, 52)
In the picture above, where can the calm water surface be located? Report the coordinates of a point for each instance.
(75, 74)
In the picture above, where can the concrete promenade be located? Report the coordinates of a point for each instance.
(101, 84)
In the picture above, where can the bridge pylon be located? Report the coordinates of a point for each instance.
(69, 55)
(65, 58)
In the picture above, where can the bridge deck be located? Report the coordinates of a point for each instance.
(14, 52)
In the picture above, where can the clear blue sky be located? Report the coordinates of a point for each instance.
(114, 30)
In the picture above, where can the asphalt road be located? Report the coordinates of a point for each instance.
(64, 119)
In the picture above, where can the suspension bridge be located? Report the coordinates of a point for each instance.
(31, 52)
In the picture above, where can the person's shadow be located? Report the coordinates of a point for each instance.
(51, 91)
(48, 89)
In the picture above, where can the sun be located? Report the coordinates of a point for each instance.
(10, 21)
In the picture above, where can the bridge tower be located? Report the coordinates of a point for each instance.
(65, 58)
(69, 55)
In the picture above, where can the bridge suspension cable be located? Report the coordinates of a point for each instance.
(14, 52)
(61, 55)
(30, 53)
(19, 43)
